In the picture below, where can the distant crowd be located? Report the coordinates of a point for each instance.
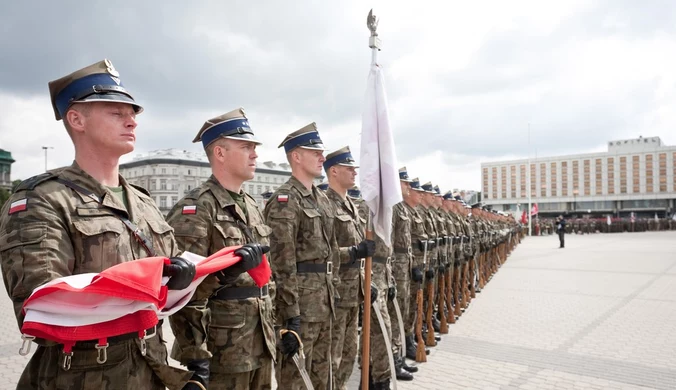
(547, 226)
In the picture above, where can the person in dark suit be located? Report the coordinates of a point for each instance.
(561, 229)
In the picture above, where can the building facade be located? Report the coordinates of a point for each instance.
(170, 174)
(6, 161)
(634, 175)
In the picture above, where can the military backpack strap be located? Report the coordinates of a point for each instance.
(136, 232)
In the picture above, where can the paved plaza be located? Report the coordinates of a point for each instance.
(599, 314)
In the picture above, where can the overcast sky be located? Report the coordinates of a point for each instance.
(463, 80)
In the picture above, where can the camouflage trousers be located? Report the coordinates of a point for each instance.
(316, 338)
(125, 368)
(258, 379)
(409, 320)
(402, 278)
(345, 340)
(380, 361)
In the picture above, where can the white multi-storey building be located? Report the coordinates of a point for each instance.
(169, 174)
(634, 175)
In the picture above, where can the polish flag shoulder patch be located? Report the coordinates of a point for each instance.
(189, 210)
(19, 205)
(282, 198)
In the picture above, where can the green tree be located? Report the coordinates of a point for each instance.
(4, 195)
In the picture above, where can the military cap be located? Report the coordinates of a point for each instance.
(403, 175)
(415, 185)
(354, 192)
(427, 187)
(437, 191)
(266, 195)
(231, 125)
(448, 195)
(476, 205)
(342, 157)
(306, 138)
(323, 186)
(458, 197)
(99, 82)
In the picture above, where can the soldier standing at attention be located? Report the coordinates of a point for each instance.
(86, 218)
(303, 253)
(226, 332)
(349, 229)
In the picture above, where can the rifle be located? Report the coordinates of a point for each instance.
(430, 342)
(457, 275)
(448, 282)
(420, 355)
(443, 327)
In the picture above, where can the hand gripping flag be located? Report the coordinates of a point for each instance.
(378, 175)
(126, 298)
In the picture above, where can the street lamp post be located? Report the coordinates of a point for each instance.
(45, 148)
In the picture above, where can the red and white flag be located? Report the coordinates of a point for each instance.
(534, 209)
(128, 297)
(378, 173)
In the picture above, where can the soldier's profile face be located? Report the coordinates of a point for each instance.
(345, 176)
(405, 188)
(111, 127)
(311, 161)
(239, 158)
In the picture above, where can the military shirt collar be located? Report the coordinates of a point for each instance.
(301, 187)
(346, 202)
(100, 193)
(223, 196)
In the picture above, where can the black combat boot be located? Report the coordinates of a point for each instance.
(399, 371)
(384, 385)
(407, 367)
(436, 324)
(411, 348)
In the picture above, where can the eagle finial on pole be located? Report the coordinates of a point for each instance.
(372, 24)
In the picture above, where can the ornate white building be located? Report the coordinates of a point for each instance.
(169, 174)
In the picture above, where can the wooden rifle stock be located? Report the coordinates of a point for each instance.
(420, 355)
(443, 327)
(431, 342)
(449, 294)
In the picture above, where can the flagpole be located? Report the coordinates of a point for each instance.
(374, 44)
(529, 186)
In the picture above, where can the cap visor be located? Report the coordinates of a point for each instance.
(111, 98)
(313, 147)
(354, 165)
(244, 137)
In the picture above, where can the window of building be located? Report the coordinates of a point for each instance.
(543, 180)
(512, 181)
(174, 171)
(174, 186)
(251, 189)
(484, 173)
(188, 172)
(494, 182)
(564, 178)
(533, 180)
(153, 184)
(267, 188)
(663, 172)
(189, 188)
(623, 175)
(174, 200)
(163, 202)
(164, 171)
(259, 189)
(598, 169)
(552, 169)
(163, 184)
(576, 177)
(587, 178)
(503, 182)
(611, 175)
(524, 179)
(649, 173)
(154, 171)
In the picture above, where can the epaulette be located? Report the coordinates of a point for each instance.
(31, 183)
(141, 189)
(196, 192)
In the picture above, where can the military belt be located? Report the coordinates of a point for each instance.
(150, 332)
(403, 251)
(308, 268)
(381, 260)
(234, 293)
(359, 263)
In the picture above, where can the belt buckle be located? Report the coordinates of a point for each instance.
(362, 263)
(389, 260)
(329, 267)
(410, 251)
(261, 293)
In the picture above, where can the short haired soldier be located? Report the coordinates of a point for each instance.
(349, 228)
(86, 218)
(225, 334)
(303, 252)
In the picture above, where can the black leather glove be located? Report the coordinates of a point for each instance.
(180, 272)
(252, 255)
(416, 275)
(200, 374)
(429, 274)
(364, 249)
(289, 344)
(391, 293)
(374, 292)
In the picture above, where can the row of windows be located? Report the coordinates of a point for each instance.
(204, 173)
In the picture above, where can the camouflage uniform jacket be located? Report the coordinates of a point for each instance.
(65, 232)
(349, 229)
(401, 240)
(451, 248)
(431, 231)
(417, 234)
(440, 226)
(237, 334)
(381, 272)
(302, 222)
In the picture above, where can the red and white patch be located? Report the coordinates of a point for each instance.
(282, 198)
(19, 205)
(189, 210)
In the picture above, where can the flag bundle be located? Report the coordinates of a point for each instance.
(126, 298)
